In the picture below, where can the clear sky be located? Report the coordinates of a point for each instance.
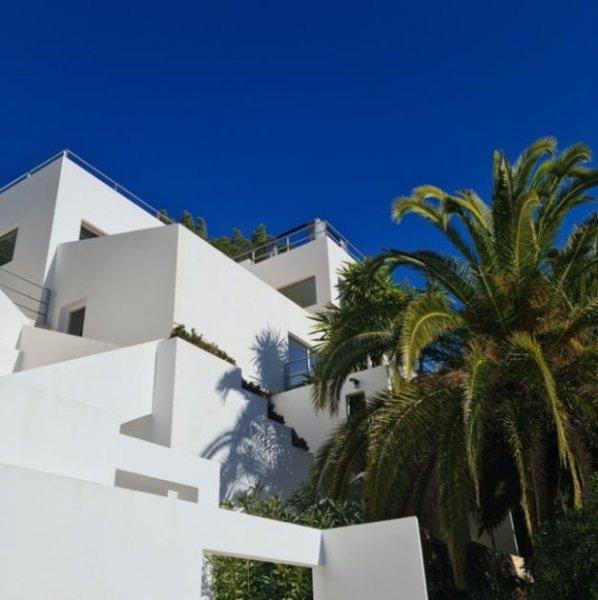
(279, 112)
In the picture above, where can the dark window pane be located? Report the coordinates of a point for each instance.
(7, 246)
(87, 233)
(76, 319)
(355, 404)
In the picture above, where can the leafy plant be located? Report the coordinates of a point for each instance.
(255, 388)
(490, 575)
(494, 407)
(234, 245)
(565, 559)
(198, 340)
(236, 579)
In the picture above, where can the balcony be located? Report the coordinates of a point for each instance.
(297, 237)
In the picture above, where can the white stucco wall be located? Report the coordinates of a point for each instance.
(237, 310)
(29, 205)
(126, 281)
(316, 427)
(45, 432)
(321, 258)
(92, 541)
(135, 286)
(83, 197)
(12, 321)
(48, 208)
(120, 381)
(381, 561)
(41, 347)
(213, 417)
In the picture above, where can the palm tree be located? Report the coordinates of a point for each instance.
(502, 419)
(362, 331)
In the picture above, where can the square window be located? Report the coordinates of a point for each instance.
(7, 246)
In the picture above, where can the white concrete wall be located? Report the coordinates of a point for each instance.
(296, 406)
(48, 208)
(174, 394)
(29, 205)
(165, 464)
(126, 281)
(120, 381)
(97, 542)
(42, 347)
(213, 417)
(45, 432)
(83, 197)
(381, 561)
(70, 540)
(12, 321)
(321, 259)
(236, 310)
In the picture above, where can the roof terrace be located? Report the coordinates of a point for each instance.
(297, 237)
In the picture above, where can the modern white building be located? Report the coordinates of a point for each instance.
(117, 442)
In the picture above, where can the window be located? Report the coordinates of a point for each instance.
(75, 321)
(88, 231)
(301, 363)
(302, 293)
(7, 246)
(355, 404)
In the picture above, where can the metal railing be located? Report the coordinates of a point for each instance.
(123, 191)
(33, 299)
(297, 237)
(298, 372)
(284, 242)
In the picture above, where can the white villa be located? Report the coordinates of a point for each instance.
(117, 442)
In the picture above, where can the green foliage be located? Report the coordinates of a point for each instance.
(234, 245)
(198, 340)
(489, 575)
(361, 332)
(255, 388)
(235, 579)
(565, 559)
(494, 406)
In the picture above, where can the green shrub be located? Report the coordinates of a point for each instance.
(236, 579)
(565, 560)
(198, 340)
(489, 574)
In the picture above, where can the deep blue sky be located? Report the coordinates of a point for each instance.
(278, 112)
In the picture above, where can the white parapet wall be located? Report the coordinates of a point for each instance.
(136, 286)
(120, 381)
(88, 513)
(40, 347)
(71, 539)
(377, 561)
(321, 259)
(212, 416)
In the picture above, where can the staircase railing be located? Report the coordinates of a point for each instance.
(33, 299)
